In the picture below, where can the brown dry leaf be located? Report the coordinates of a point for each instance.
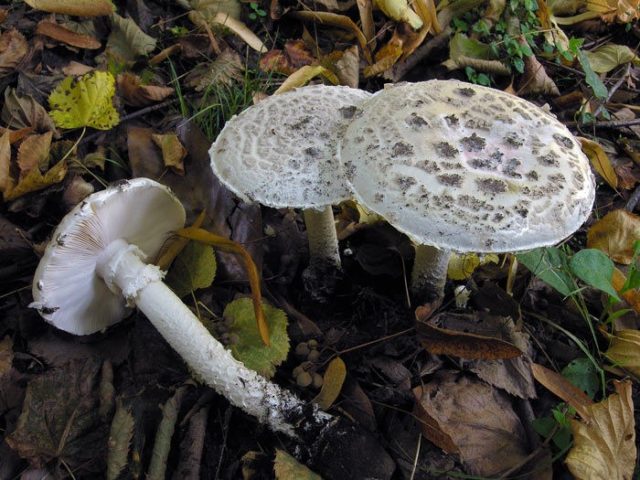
(173, 152)
(347, 67)
(286, 467)
(465, 343)
(365, 10)
(16, 135)
(563, 388)
(615, 234)
(386, 57)
(77, 8)
(35, 181)
(6, 355)
(335, 20)
(605, 448)
(34, 153)
(226, 69)
(240, 29)
(624, 11)
(3, 14)
(64, 35)
(21, 111)
(334, 378)
(5, 162)
(535, 79)
(13, 48)
(631, 296)
(138, 95)
(76, 69)
(600, 161)
(294, 55)
(489, 442)
(624, 350)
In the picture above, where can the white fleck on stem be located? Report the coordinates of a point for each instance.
(122, 269)
(321, 232)
(429, 273)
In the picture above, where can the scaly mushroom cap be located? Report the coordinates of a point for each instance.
(282, 152)
(467, 168)
(66, 289)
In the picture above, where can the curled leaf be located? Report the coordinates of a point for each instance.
(240, 29)
(624, 350)
(78, 8)
(399, 10)
(334, 378)
(600, 161)
(303, 75)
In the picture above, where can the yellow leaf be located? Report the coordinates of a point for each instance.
(599, 161)
(607, 57)
(240, 29)
(334, 378)
(78, 8)
(301, 76)
(399, 10)
(35, 181)
(85, 102)
(461, 266)
(615, 234)
(386, 57)
(173, 152)
(286, 467)
(624, 350)
(610, 10)
(605, 448)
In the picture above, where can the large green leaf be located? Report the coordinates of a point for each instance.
(594, 268)
(193, 268)
(551, 266)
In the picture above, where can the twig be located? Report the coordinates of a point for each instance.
(611, 124)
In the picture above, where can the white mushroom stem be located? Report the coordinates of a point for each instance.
(321, 232)
(122, 268)
(429, 273)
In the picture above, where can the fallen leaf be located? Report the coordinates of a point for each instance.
(347, 67)
(631, 296)
(23, 111)
(226, 69)
(193, 268)
(134, 93)
(5, 163)
(535, 79)
(609, 56)
(615, 234)
(563, 388)
(294, 55)
(604, 447)
(6, 355)
(34, 153)
(287, 467)
(85, 102)
(488, 443)
(624, 11)
(304, 75)
(624, 350)
(60, 419)
(334, 377)
(249, 348)
(35, 181)
(462, 265)
(13, 48)
(600, 161)
(173, 152)
(385, 57)
(78, 8)
(210, 8)
(400, 11)
(240, 29)
(127, 41)
(64, 35)
(120, 436)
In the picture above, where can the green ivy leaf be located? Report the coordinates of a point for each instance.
(193, 268)
(594, 268)
(550, 265)
(249, 348)
(582, 373)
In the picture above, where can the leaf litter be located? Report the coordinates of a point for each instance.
(154, 87)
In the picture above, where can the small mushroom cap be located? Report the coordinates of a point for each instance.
(467, 168)
(67, 291)
(282, 152)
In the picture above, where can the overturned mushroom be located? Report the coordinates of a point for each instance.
(282, 153)
(95, 268)
(466, 168)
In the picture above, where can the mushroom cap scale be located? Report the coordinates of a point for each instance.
(67, 291)
(467, 168)
(282, 152)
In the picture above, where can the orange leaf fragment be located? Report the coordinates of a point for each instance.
(64, 35)
(334, 378)
(563, 388)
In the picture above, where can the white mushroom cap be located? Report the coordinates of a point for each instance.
(467, 168)
(66, 289)
(282, 152)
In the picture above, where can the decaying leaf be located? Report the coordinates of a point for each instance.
(294, 55)
(304, 75)
(240, 29)
(173, 152)
(286, 467)
(85, 102)
(249, 347)
(127, 41)
(34, 153)
(23, 111)
(134, 93)
(35, 181)
(563, 388)
(5, 162)
(535, 79)
(624, 350)
(347, 67)
(609, 56)
(6, 355)
(615, 234)
(78, 8)
(60, 419)
(400, 11)
(194, 268)
(622, 11)
(334, 377)
(600, 161)
(64, 35)
(489, 443)
(226, 69)
(605, 446)
(13, 48)
(120, 437)
(210, 8)
(386, 57)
